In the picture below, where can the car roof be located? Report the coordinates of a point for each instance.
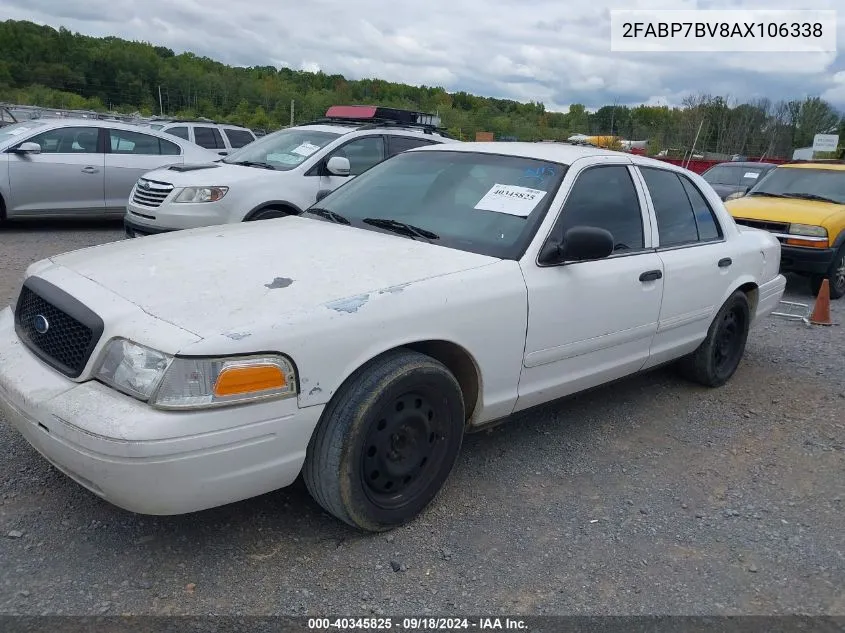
(205, 123)
(745, 163)
(50, 124)
(815, 165)
(563, 153)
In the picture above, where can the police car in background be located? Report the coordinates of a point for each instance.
(280, 174)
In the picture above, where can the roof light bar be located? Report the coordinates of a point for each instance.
(376, 113)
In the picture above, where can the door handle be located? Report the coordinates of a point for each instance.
(651, 275)
(90, 170)
(725, 262)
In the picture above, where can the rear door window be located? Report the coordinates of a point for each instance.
(208, 137)
(238, 138)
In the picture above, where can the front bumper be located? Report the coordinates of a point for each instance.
(768, 296)
(142, 459)
(135, 229)
(175, 216)
(806, 260)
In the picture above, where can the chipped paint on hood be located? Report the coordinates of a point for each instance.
(209, 281)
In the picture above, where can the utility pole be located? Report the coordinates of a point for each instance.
(291, 112)
(160, 104)
(692, 150)
(613, 115)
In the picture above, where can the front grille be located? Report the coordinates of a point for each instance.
(56, 327)
(772, 227)
(151, 193)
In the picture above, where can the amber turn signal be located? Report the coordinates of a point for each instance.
(238, 380)
(793, 241)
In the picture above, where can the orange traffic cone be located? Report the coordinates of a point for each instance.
(821, 309)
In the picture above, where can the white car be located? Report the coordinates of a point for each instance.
(439, 292)
(280, 174)
(81, 167)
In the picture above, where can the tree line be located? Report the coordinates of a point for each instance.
(44, 66)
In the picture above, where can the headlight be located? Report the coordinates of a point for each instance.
(204, 382)
(808, 230)
(170, 382)
(735, 195)
(132, 368)
(201, 194)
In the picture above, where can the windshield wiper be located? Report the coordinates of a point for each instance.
(767, 194)
(401, 228)
(810, 196)
(251, 163)
(329, 215)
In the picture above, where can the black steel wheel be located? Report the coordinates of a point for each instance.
(715, 361)
(387, 441)
(405, 441)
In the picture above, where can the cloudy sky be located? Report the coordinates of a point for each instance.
(555, 51)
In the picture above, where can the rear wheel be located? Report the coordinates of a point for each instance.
(719, 355)
(835, 276)
(387, 441)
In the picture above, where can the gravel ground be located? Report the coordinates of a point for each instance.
(651, 496)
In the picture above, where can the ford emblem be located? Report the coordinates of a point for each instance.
(41, 324)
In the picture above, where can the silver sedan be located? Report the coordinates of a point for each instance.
(75, 168)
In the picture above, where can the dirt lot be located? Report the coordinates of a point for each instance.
(648, 497)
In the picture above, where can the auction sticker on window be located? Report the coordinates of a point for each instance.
(306, 149)
(751, 174)
(510, 199)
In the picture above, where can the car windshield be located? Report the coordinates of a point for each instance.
(478, 202)
(282, 150)
(734, 175)
(802, 182)
(17, 130)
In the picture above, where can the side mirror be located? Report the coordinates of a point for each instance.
(323, 193)
(580, 243)
(338, 166)
(28, 148)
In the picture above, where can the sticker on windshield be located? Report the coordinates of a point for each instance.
(751, 174)
(306, 149)
(510, 199)
(286, 159)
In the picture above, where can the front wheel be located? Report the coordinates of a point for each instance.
(718, 356)
(835, 276)
(269, 214)
(386, 442)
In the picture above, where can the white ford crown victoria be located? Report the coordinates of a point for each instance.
(439, 292)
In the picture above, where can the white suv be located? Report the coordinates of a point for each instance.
(280, 174)
(219, 137)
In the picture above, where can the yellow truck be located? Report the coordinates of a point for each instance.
(803, 204)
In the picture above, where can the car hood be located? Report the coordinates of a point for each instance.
(210, 280)
(212, 174)
(783, 209)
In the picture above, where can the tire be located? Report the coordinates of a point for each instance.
(386, 442)
(269, 214)
(835, 276)
(717, 358)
